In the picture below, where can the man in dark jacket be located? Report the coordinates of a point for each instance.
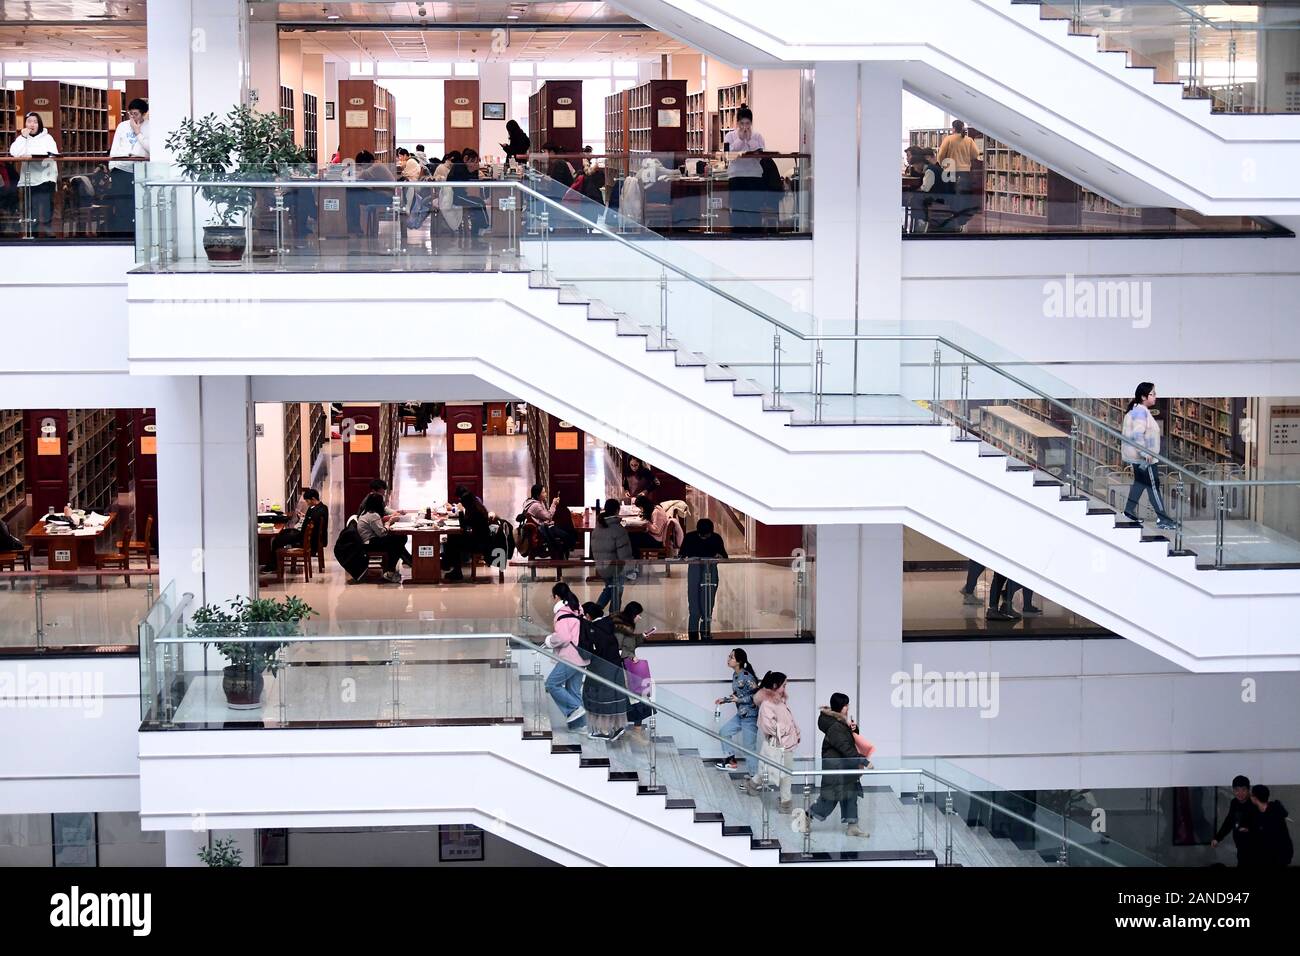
(1241, 820)
(702, 578)
(1272, 841)
(839, 752)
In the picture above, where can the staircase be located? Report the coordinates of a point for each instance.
(1030, 82)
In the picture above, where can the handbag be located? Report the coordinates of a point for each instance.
(864, 746)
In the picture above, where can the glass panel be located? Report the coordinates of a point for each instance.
(75, 843)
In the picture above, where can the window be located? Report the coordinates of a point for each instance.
(573, 71)
(366, 68)
(466, 69)
(66, 68)
(122, 68)
(16, 68)
(517, 68)
(75, 842)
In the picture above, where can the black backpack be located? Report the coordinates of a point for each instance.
(350, 551)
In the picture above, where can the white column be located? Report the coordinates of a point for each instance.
(860, 625)
(181, 847)
(205, 487)
(857, 229)
(264, 66)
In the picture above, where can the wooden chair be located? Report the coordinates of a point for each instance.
(144, 547)
(289, 557)
(119, 559)
(9, 559)
(317, 548)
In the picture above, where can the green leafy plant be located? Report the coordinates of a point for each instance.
(257, 617)
(243, 145)
(222, 853)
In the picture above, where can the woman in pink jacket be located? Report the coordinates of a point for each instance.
(564, 683)
(779, 735)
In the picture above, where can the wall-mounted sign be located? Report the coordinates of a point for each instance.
(670, 118)
(49, 446)
(462, 119)
(565, 425)
(357, 101)
(464, 442)
(362, 444)
(331, 205)
(361, 427)
(565, 119)
(1284, 430)
(151, 429)
(566, 441)
(464, 426)
(259, 430)
(62, 557)
(148, 445)
(564, 101)
(462, 101)
(426, 551)
(668, 100)
(356, 119)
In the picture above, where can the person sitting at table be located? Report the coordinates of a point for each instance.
(467, 170)
(310, 510)
(558, 543)
(656, 526)
(558, 169)
(372, 525)
(474, 538)
(368, 171)
(408, 167)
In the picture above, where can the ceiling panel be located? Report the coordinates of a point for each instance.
(458, 11)
(32, 11)
(558, 45)
(108, 41)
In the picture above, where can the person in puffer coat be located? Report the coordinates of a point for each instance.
(839, 752)
(779, 736)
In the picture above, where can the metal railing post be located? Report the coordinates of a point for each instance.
(1220, 513)
(947, 822)
(282, 679)
(546, 243)
(279, 211)
(807, 816)
(819, 383)
(538, 696)
(776, 369)
(1074, 457)
(920, 817)
(1180, 494)
(653, 774)
(40, 616)
(934, 408)
(663, 308)
(965, 399)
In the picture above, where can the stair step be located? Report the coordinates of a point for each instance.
(1100, 510)
(736, 831)
(1124, 523)
(593, 762)
(678, 803)
(566, 748)
(708, 816)
(1047, 482)
(1018, 466)
(657, 791)
(627, 327)
(620, 776)
(600, 311)
(570, 295)
(744, 386)
(717, 373)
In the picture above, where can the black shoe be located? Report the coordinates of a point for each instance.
(1030, 609)
(1167, 524)
(1135, 518)
(996, 614)
(1010, 612)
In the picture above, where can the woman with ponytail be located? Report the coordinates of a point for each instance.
(564, 683)
(1141, 445)
(745, 721)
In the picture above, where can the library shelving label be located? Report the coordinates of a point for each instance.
(1284, 430)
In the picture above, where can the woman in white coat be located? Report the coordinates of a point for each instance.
(37, 178)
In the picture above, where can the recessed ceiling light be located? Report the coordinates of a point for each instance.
(512, 16)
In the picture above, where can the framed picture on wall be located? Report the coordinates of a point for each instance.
(459, 843)
(329, 109)
(494, 111)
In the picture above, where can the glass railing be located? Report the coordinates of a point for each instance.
(1240, 56)
(68, 198)
(73, 612)
(390, 674)
(820, 372)
(728, 600)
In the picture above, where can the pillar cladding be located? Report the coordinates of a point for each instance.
(860, 625)
(857, 234)
(206, 486)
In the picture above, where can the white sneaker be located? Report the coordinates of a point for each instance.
(392, 577)
(580, 712)
(799, 820)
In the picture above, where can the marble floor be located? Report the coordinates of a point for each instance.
(932, 607)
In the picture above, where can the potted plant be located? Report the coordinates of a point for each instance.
(222, 853)
(244, 145)
(243, 679)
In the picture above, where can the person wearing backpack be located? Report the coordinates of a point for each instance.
(564, 683)
(604, 699)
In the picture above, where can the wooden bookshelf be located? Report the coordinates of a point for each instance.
(730, 99)
(73, 461)
(1025, 436)
(144, 470)
(616, 108)
(555, 116)
(286, 107)
(310, 127)
(292, 455)
(656, 117)
(371, 450)
(318, 436)
(76, 116)
(9, 116)
(697, 121)
(366, 117)
(460, 99)
(13, 493)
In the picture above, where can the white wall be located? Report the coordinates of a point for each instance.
(269, 418)
(392, 847)
(774, 98)
(1104, 713)
(493, 87)
(72, 750)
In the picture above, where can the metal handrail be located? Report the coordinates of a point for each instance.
(813, 338)
(190, 638)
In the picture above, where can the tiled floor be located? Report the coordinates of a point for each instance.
(932, 605)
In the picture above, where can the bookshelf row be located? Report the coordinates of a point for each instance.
(292, 455)
(12, 492)
(696, 124)
(730, 99)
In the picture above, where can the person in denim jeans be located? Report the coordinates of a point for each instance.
(564, 683)
(745, 721)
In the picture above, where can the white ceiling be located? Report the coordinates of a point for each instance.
(33, 11)
(456, 11)
(436, 45)
(108, 41)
